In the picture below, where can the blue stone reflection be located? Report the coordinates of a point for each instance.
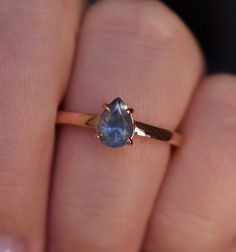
(116, 125)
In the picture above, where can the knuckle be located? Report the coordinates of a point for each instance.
(28, 21)
(11, 175)
(18, 17)
(105, 210)
(139, 23)
(221, 89)
(181, 225)
(218, 101)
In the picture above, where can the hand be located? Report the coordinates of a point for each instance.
(69, 192)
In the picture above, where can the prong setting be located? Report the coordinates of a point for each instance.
(98, 136)
(130, 141)
(106, 107)
(130, 110)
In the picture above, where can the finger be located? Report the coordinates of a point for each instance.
(232, 247)
(103, 197)
(36, 47)
(196, 210)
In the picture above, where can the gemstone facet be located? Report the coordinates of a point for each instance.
(115, 125)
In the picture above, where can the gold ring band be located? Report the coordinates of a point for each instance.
(139, 128)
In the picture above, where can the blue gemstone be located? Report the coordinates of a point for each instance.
(116, 124)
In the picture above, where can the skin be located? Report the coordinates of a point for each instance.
(63, 190)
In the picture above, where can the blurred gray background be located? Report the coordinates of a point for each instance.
(214, 24)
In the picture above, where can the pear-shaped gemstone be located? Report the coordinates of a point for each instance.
(115, 125)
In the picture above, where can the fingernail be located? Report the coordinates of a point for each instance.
(11, 245)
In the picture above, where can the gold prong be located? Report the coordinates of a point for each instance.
(130, 141)
(106, 107)
(98, 135)
(130, 110)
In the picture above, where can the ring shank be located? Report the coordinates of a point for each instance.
(146, 130)
(141, 129)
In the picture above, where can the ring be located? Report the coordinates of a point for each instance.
(115, 127)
